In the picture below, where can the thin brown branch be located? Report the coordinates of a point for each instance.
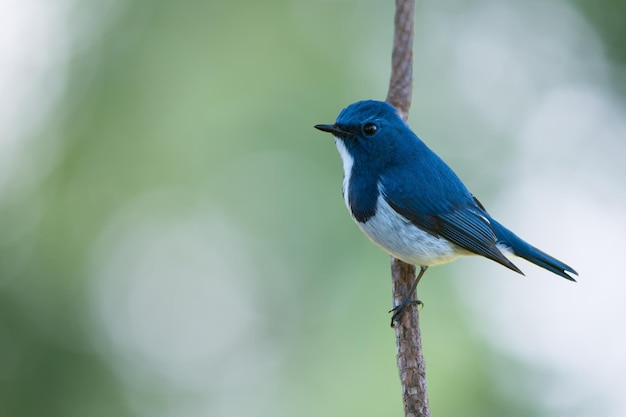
(410, 358)
(401, 82)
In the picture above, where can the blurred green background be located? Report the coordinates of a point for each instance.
(173, 241)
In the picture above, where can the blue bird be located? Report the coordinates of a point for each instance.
(408, 201)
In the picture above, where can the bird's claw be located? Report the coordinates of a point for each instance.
(401, 308)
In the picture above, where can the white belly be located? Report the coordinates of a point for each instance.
(401, 239)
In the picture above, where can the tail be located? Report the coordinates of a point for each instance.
(524, 250)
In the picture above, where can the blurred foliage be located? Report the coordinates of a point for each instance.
(214, 102)
(608, 17)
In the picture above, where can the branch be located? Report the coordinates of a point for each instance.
(410, 359)
(401, 82)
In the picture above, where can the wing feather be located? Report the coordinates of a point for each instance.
(426, 191)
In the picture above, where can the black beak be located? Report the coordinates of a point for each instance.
(334, 129)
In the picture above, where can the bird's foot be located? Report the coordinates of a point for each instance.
(399, 310)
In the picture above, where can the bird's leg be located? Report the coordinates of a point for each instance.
(408, 300)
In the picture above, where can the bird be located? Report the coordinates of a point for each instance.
(409, 202)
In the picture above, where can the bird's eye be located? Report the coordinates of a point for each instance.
(369, 129)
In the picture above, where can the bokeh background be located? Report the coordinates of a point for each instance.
(173, 241)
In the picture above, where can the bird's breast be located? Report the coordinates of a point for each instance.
(382, 224)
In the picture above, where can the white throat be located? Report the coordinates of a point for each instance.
(348, 162)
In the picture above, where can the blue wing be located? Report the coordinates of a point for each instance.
(432, 197)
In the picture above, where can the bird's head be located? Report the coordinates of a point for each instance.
(370, 131)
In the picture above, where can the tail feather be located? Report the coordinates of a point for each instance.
(524, 250)
(546, 261)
